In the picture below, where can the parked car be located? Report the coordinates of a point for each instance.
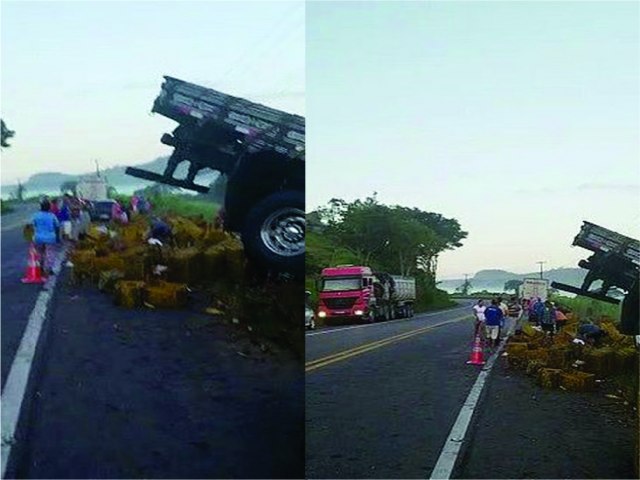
(100, 211)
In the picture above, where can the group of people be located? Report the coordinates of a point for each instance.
(68, 219)
(57, 221)
(495, 320)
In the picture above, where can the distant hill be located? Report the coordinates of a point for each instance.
(47, 182)
(494, 280)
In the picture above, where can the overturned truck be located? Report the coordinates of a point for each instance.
(259, 149)
(614, 268)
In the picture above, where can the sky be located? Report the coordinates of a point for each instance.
(78, 79)
(519, 119)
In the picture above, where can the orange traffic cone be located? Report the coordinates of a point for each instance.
(34, 272)
(477, 356)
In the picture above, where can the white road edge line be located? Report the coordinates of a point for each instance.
(418, 317)
(449, 454)
(16, 385)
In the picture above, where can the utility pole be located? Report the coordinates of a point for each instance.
(541, 263)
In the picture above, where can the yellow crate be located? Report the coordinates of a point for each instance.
(517, 349)
(166, 295)
(549, 377)
(186, 266)
(578, 381)
(129, 294)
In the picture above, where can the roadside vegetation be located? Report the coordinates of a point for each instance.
(393, 239)
(5, 207)
(588, 308)
(183, 205)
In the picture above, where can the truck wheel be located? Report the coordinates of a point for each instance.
(273, 233)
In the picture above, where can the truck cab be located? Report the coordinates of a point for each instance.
(347, 292)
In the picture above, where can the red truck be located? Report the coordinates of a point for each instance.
(357, 293)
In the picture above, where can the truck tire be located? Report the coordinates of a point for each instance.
(629, 319)
(273, 233)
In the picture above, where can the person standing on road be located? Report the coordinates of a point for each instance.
(515, 312)
(45, 225)
(537, 309)
(548, 318)
(561, 318)
(64, 217)
(478, 311)
(504, 325)
(493, 319)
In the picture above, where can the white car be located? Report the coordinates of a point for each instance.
(309, 318)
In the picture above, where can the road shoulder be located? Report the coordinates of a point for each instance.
(524, 431)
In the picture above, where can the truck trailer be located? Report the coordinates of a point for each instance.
(261, 151)
(614, 266)
(357, 293)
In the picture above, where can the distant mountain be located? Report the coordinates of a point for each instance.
(48, 182)
(494, 280)
(490, 275)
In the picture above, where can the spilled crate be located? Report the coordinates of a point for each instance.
(135, 294)
(166, 295)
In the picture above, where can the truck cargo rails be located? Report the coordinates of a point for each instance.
(260, 149)
(615, 264)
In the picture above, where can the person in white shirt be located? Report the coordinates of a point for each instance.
(478, 312)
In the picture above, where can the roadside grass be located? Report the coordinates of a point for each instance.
(183, 205)
(5, 207)
(585, 307)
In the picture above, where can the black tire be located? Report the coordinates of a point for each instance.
(261, 242)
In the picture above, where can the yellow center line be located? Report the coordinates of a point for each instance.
(367, 347)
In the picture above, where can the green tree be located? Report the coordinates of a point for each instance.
(5, 134)
(513, 285)
(396, 239)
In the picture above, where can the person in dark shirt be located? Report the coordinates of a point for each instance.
(160, 230)
(591, 333)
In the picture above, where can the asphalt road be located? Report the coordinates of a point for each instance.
(147, 393)
(17, 299)
(160, 394)
(523, 431)
(386, 412)
(384, 407)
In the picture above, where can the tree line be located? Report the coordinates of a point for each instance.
(396, 239)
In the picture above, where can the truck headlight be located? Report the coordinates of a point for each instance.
(359, 312)
(322, 314)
